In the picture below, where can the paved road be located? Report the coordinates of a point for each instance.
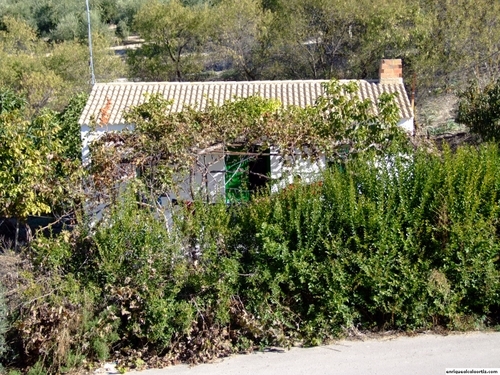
(423, 354)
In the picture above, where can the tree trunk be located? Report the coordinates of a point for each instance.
(16, 236)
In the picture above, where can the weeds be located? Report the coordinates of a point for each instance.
(3, 326)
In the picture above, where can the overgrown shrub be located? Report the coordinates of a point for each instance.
(479, 109)
(406, 242)
(56, 323)
(155, 288)
(402, 242)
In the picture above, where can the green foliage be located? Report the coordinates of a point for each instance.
(479, 109)
(24, 165)
(48, 75)
(170, 291)
(35, 174)
(122, 29)
(396, 244)
(240, 36)
(326, 38)
(56, 324)
(37, 369)
(445, 43)
(395, 241)
(10, 102)
(68, 28)
(174, 34)
(69, 133)
(460, 42)
(59, 21)
(153, 286)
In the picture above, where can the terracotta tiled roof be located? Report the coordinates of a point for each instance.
(109, 101)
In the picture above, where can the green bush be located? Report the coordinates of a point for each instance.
(398, 242)
(404, 243)
(479, 109)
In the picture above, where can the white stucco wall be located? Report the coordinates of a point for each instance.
(408, 125)
(283, 174)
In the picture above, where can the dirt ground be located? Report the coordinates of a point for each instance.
(9, 262)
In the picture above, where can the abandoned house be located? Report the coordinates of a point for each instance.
(109, 101)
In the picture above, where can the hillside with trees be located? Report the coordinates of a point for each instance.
(443, 43)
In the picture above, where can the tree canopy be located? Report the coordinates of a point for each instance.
(48, 75)
(479, 109)
(174, 34)
(38, 164)
(442, 43)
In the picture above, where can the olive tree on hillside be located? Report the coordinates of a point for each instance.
(48, 75)
(174, 36)
(241, 37)
(459, 41)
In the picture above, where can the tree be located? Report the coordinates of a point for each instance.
(48, 75)
(69, 133)
(459, 41)
(36, 177)
(174, 35)
(479, 109)
(70, 61)
(241, 36)
(333, 38)
(61, 20)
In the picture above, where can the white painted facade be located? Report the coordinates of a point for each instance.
(209, 180)
(408, 125)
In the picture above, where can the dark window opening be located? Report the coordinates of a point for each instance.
(246, 173)
(259, 172)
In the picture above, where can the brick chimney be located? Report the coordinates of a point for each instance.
(391, 71)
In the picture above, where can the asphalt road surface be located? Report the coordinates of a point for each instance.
(421, 354)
